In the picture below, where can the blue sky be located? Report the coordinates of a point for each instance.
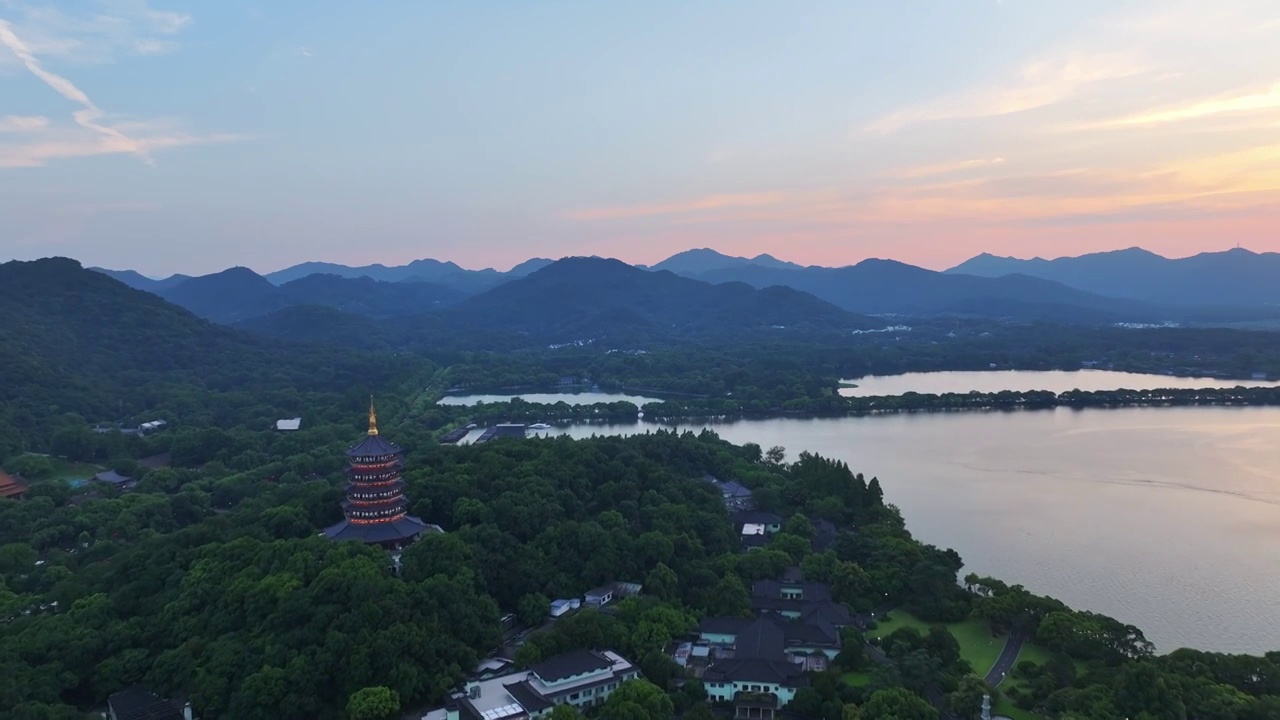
(187, 137)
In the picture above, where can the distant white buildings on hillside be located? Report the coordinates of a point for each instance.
(891, 328)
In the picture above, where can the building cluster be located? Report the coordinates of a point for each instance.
(142, 429)
(758, 663)
(583, 679)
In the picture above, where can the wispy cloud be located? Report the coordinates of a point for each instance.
(90, 115)
(94, 31)
(948, 168)
(98, 133)
(23, 123)
(1041, 83)
(1268, 99)
(67, 142)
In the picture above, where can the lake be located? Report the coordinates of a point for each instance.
(1023, 380)
(1166, 518)
(581, 398)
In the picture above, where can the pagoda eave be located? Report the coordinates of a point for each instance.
(400, 530)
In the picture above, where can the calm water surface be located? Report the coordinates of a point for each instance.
(582, 398)
(1167, 518)
(1022, 380)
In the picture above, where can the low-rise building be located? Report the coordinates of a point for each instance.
(12, 486)
(811, 645)
(491, 667)
(115, 479)
(561, 606)
(793, 598)
(289, 424)
(771, 521)
(152, 426)
(584, 679)
(757, 676)
(501, 431)
(599, 597)
(734, 494)
(140, 703)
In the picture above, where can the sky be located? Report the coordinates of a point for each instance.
(168, 136)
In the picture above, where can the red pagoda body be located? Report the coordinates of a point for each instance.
(376, 510)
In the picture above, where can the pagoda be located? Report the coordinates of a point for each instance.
(376, 509)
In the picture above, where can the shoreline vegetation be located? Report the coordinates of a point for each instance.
(518, 409)
(193, 582)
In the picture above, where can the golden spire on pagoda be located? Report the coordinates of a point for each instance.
(373, 418)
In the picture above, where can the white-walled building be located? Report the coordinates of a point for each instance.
(584, 678)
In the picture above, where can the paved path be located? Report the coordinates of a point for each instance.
(1008, 656)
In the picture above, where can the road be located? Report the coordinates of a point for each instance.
(1008, 656)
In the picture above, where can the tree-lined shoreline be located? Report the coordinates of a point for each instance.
(520, 410)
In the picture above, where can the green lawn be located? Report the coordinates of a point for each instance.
(1008, 709)
(856, 679)
(68, 470)
(64, 469)
(896, 620)
(1033, 654)
(977, 645)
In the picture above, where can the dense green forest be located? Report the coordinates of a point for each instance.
(78, 348)
(211, 582)
(209, 579)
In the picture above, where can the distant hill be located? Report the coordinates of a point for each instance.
(368, 297)
(425, 270)
(239, 294)
(77, 342)
(138, 281)
(69, 338)
(591, 296)
(888, 286)
(1235, 277)
(528, 266)
(233, 294)
(702, 260)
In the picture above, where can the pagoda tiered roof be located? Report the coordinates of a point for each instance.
(373, 446)
(406, 527)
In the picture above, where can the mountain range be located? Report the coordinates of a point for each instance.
(240, 294)
(581, 295)
(1234, 277)
(1129, 285)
